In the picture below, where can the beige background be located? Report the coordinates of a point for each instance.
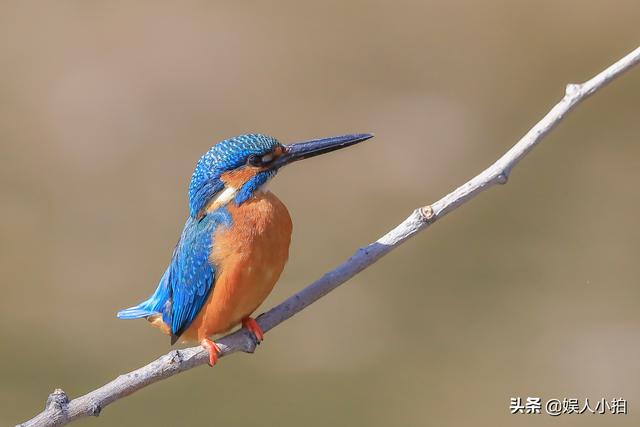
(530, 290)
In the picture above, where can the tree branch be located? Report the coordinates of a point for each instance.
(59, 410)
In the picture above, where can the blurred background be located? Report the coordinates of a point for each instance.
(529, 290)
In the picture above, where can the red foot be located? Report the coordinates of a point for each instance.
(213, 350)
(251, 324)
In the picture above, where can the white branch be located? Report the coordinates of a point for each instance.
(59, 410)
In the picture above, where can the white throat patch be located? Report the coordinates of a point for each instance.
(223, 198)
(227, 195)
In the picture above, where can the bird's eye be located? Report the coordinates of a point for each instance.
(254, 160)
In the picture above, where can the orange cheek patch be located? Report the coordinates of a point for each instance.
(237, 177)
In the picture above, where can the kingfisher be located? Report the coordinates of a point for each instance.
(235, 241)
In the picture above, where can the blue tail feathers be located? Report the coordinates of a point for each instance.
(135, 312)
(153, 305)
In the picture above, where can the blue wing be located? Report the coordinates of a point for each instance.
(190, 277)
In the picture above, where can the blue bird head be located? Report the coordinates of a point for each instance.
(241, 165)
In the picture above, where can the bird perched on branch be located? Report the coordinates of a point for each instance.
(234, 244)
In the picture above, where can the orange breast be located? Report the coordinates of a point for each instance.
(249, 257)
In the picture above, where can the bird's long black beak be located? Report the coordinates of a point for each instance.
(306, 149)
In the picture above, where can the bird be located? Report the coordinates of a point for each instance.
(235, 241)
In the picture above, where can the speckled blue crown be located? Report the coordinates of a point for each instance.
(222, 157)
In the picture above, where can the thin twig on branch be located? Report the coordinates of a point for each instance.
(60, 410)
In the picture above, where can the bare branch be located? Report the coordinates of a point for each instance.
(59, 410)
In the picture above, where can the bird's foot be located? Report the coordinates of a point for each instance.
(213, 350)
(252, 326)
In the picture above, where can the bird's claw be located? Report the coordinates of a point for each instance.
(213, 350)
(252, 326)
